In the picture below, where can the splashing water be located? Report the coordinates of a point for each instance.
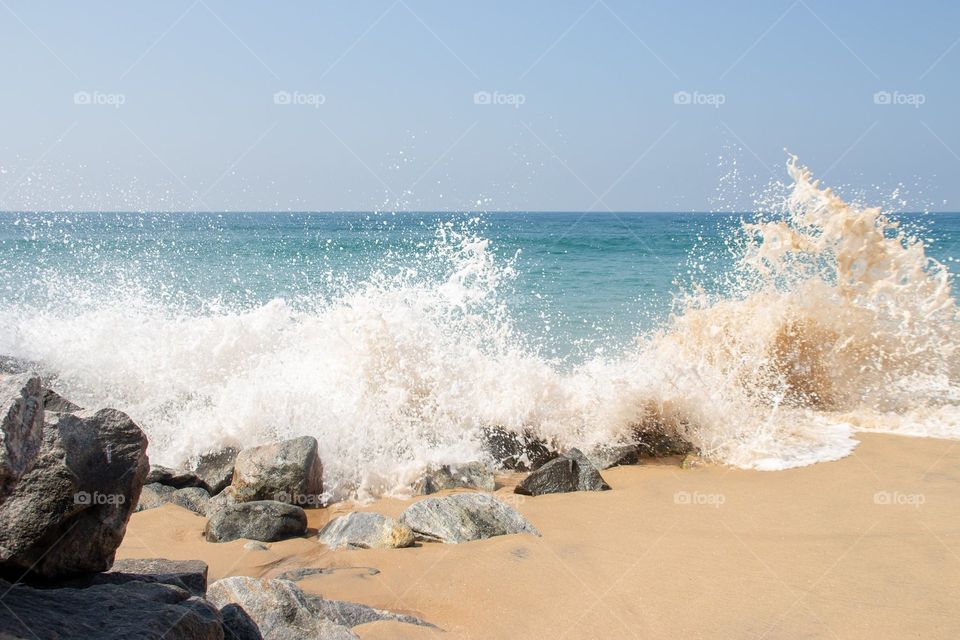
(833, 320)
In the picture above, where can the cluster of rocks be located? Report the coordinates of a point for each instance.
(70, 480)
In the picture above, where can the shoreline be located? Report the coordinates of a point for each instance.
(865, 546)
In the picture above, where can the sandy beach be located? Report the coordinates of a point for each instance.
(865, 547)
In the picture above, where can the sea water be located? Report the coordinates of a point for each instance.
(768, 338)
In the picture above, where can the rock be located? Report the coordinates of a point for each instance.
(108, 611)
(190, 575)
(68, 510)
(659, 442)
(263, 520)
(215, 470)
(518, 451)
(171, 477)
(359, 530)
(464, 517)
(253, 545)
(154, 495)
(606, 456)
(288, 471)
(351, 614)
(472, 475)
(21, 429)
(237, 625)
(570, 472)
(192, 498)
(280, 609)
(53, 401)
(223, 499)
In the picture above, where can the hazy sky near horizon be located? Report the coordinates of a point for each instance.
(429, 105)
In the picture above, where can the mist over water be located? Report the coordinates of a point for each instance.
(766, 340)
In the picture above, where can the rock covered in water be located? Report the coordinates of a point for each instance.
(464, 517)
(67, 499)
(471, 475)
(660, 442)
(288, 471)
(572, 471)
(263, 520)
(134, 609)
(359, 530)
(177, 479)
(517, 451)
(280, 609)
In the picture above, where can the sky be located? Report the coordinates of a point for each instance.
(435, 105)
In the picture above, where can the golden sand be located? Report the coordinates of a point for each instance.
(865, 547)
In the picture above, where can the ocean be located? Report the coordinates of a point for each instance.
(768, 339)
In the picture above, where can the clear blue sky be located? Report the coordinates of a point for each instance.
(587, 115)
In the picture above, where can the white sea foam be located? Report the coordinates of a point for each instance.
(832, 322)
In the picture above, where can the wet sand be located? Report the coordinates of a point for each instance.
(865, 547)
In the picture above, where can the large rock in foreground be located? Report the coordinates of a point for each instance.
(464, 517)
(572, 471)
(65, 508)
(123, 611)
(264, 520)
(360, 530)
(288, 471)
(280, 609)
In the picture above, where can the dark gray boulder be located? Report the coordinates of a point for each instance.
(281, 610)
(288, 471)
(470, 475)
(659, 441)
(67, 511)
(464, 517)
(263, 520)
(108, 611)
(361, 530)
(572, 471)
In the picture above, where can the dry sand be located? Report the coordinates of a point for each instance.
(865, 547)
